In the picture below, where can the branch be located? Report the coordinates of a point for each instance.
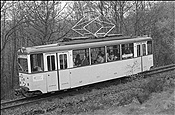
(64, 34)
(2, 5)
(10, 33)
(60, 11)
(7, 7)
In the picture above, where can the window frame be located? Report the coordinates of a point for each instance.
(104, 55)
(119, 49)
(132, 50)
(138, 50)
(144, 51)
(150, 48)
(86, 51)
(51, 62)
(28, 63)
(59, 66)
(42, 66)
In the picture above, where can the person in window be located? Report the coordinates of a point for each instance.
(77, 60)
(84, 61)
(127, 51)
(110, 56)
(100, 59)
(37, 68)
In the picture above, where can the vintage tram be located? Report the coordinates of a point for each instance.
(75, 63)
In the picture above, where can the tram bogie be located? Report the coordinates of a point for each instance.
(50, 68)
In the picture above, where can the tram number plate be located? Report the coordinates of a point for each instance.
(38, 78)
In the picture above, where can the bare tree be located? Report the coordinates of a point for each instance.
(7, 30)
(9, 26)
(120, 10)
(44, 21)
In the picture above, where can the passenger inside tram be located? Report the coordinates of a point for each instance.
(99, 59)
(77, 60)
(84, 61)
(37, 68)
(111, 57)
(126, 51)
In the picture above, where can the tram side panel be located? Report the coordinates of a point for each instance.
(34, 81)
(82, 76)
(52, 81)
(102, 72)
(64, 79)
(45, 82)
(147, 62)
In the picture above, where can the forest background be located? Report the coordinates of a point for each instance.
(31, 23)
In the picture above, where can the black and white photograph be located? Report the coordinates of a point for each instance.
(87, 57)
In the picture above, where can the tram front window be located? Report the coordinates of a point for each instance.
(22, 65)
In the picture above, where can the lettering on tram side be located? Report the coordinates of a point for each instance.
(52, 85)
(64, 83)
(38, 78)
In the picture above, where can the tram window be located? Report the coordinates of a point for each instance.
(81, 57)
(113, 53)
(63, 61)
(138, 51)
(98, 55)
(127, 51)
(144, 49)
(149, 46)
(51, 63)
(23, 66)
(36, 62)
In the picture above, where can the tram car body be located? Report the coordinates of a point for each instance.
(65, 65)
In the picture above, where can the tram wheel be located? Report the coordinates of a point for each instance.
(28, 94)
(152, 67)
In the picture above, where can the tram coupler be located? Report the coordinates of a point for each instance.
(21, 90)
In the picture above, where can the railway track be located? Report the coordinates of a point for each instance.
(160, 69)
(16, 102)
(62, 94)
(24, 101)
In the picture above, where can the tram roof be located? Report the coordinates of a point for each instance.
(85, 43)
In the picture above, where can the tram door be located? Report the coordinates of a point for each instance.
(147, 60)
(141, 51)
(51, 72)
(64, 74)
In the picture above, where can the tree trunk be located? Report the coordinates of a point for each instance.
(13, 70)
